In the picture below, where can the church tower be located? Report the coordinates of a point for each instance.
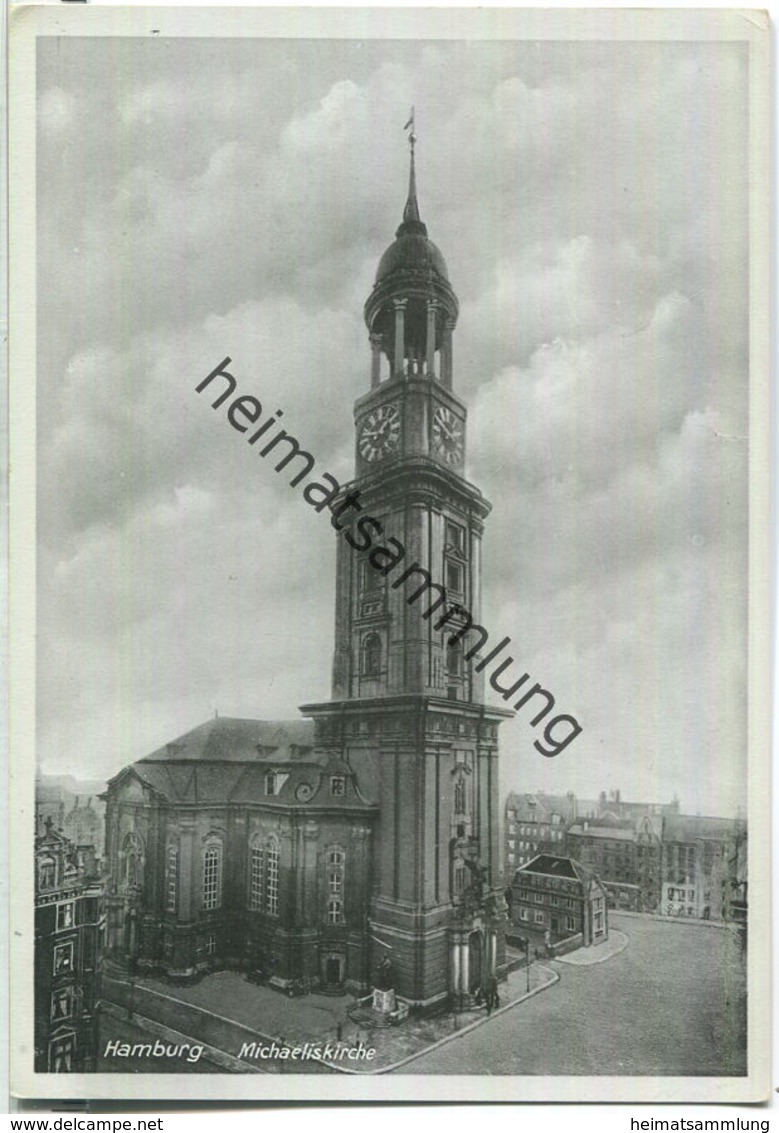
(407, 712)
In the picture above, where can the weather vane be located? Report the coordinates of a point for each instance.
(410, 126)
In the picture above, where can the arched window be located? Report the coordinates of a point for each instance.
(171, 878)
(256, 873)
(371, 655)
(272, 877)
(212, 875)
(336, 861)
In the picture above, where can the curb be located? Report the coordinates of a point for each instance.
(603, 960)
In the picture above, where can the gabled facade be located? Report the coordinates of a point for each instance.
(69, 931)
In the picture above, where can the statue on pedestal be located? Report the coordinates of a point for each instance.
(384, 975)
(383, 987)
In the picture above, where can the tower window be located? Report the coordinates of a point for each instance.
(337, 785)
(455, 537)
(455, 576)
(371, 655)
(270, 784)
(371, 580)
(454, 658)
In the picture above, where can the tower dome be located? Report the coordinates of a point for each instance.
(412, 276)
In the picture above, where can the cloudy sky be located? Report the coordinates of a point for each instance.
(202, 198)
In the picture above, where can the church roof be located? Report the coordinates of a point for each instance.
(228, 739)
(227, 760)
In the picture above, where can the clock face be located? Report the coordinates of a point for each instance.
(447, 435)
(304, 792)
(379, 433)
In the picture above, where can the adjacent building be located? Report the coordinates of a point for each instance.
(699, 859)
(626, 854)
(69, 931)
(555, 899)
(648, 856)
(74, 807)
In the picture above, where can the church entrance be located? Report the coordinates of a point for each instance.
(333, 970)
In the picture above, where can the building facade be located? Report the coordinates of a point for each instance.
(69, 930)
(535, 824)
(607, 847)
(381, 832)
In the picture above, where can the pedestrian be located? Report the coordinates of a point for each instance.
(491, 997)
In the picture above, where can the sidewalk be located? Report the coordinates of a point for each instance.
(598, 953)
(227, 1011)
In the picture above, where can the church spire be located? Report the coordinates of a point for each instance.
(412, 222)
(411, 211)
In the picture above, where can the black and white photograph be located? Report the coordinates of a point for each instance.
(389, 562)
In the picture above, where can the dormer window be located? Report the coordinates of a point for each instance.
(274, 781)
(337, 785)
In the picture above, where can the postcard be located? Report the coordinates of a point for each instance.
(389, 562)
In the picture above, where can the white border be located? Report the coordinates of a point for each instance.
(29, 21)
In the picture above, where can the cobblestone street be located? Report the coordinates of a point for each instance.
(671, 1003)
